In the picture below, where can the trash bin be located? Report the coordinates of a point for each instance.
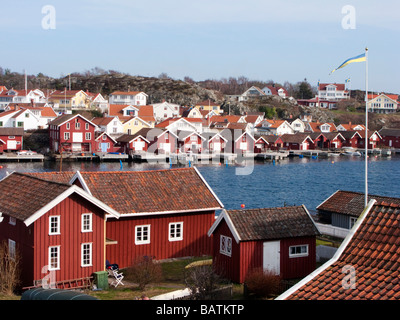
(101, 279)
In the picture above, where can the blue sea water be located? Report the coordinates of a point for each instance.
(294, 181)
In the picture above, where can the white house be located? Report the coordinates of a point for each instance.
(298, 125)
(383, 103)
(182, 124)
(332, 91)
(165, 110)
(98, 101)
(22, 118)
(109, 125)
(136, 98)
(275, 127)
(252, 92)
(21, 96)
(276, 91)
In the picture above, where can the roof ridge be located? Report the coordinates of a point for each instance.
(41, 179)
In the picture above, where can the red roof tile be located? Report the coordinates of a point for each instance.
(152, 191)
(374, 276)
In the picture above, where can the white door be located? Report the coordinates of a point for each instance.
(139, 145)
(11, 144)
(77, 137)
(271, 256)
(217, 146)
(76, 147)
(167, 147)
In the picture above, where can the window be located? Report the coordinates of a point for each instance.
(26, 115)
(54, 225)
(88, 135)
(66, 136)
(67, 125)
(77, 125)
(20, 124)
(225, 245)
(87, 222)
(86, 254)
(11, 137)
(1, 123)
(298, 251)
(193, 138)
(11, 249)
(12, 221)
(87, 126)
(104, 137)
(353, 221)
(175, 231)
(142, 234)
(54, 258)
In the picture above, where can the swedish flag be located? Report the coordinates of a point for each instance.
(360, 58)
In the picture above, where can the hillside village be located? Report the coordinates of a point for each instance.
(91, 222)
(266, 119)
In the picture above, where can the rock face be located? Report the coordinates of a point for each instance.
(158, 90)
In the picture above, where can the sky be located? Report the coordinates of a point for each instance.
(263, 40)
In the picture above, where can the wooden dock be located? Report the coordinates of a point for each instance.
(13, 157)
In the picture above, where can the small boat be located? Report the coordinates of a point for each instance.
(349, 151)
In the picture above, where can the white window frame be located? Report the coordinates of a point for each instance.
(86, 254)
(67, 136)
(57, 255)
(225, 245)
(88, 135)
(57, 227)
(67, 126)
(299, 254)
(87, 225)
(352, 222)
(173, 235)
(143, 239)
(86, 126)
(12, 221)
(12, 249)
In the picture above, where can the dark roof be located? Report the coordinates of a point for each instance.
(151, 191)
(55, 176)
(21, 195)
(8, 131)
(272, 223)
(147, 133)
(350, 203)
(390, 132)
(374, 253)
(295, 138)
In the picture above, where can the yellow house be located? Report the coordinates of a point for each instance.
(69, 99)
(134, 124)
(209, 105)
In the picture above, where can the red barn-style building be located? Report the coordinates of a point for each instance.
(73, 133)
(11, 139)
(214, 142)
(390, 137)
(57, 229)
(106, 143)
(190, 141)
(281, 240)
(164, 213)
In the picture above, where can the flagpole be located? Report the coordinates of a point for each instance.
(366, 127)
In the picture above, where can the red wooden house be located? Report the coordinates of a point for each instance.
(73, 133)
(190, 141)
(298, 141)
(390, 137)
(333, 140)
(106, 143)
(374, 139)
(352, 139)
(57, 229)
(261, 145)
(280, 240)
(133, 143)
(275, 142)
(11, 139)
(164, 213)
(214, 142)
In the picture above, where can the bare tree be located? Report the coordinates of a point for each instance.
(9, 268)
(201, 281)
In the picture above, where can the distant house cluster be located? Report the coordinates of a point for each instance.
(130, 125)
